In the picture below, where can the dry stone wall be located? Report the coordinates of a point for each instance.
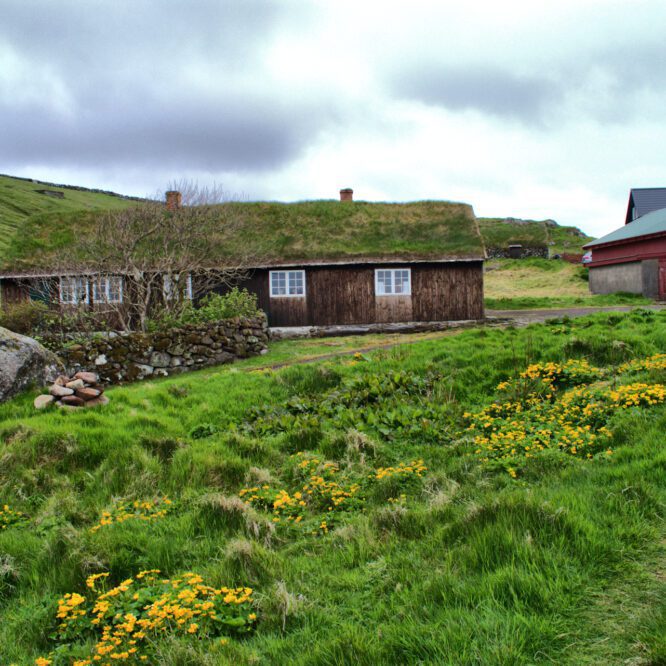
(127, 357)
(526, 252)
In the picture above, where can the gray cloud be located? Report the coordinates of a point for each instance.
(486, 89)
(183, 133)
(150, 83)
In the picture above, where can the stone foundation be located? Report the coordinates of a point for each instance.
(127, 357)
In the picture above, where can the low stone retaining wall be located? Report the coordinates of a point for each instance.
(127, 357)
(525, 252)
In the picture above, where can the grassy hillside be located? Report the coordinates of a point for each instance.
(543, 283)
(20, 199)
(353, 511)
(500, 232)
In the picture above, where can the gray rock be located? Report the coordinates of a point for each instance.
(60, 391)
(160, 359)
(75, 384)
(24, 363)
(87, 393)
(87, 377)
(42, 401)
(101, 360)
(144, 370)
(73, 400)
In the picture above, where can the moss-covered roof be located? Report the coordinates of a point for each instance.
(279, 233)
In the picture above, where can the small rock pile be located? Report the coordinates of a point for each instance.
(81, 390)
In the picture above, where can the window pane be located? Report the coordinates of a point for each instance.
(115, 289)
(66, 289)
(401, 281)
(295, 283)
(388, 282)
(278, 283)
(99, 290)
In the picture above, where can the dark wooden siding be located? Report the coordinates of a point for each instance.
(12, 291)
(338, 295)
(443, 292)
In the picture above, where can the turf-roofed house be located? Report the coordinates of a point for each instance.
(633, 257)
(317, 263)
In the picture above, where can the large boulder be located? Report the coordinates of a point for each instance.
(24, 363)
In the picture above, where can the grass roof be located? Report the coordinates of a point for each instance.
(306, 232)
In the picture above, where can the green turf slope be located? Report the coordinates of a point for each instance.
(21, 198)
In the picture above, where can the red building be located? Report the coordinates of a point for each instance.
(632, 258)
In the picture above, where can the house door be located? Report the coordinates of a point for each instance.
(662, 279)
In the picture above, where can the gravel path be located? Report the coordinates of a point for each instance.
(536, 316)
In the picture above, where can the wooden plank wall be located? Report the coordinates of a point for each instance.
(443, 292)
(346, 295)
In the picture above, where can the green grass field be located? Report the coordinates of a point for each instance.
(20, 200)
(515, 284)
(437, 548)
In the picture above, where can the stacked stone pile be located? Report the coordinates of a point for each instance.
(81, 390)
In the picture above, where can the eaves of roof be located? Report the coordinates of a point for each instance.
(268, 265)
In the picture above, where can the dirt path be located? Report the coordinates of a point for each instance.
(410, 339)
(497, 318)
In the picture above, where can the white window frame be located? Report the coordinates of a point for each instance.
(168, 290)
(381, 282)
(102, 291)
(287, 286)
(71, 288)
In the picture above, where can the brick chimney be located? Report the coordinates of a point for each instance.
(347, 194)
(173, 200)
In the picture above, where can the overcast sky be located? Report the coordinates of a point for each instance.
(550, 109)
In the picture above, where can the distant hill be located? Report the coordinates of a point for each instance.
(21, 198)
(500, 232)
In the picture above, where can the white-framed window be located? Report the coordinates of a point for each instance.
(287, 283)
(170, 287)
(74, 290)
(108, 289)
(393, 281)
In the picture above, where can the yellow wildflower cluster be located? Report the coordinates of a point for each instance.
(323, 488)
(9, 517)
(125, 620)
(415, 467)
(146, 510)
(636, 395)
(320, 490)
(279, 502)
(328, 494)
(575, 423)
(655, 362)
(573, 371)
